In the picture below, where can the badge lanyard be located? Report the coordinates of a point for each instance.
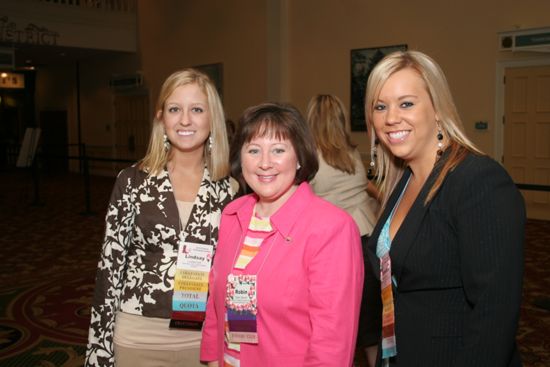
(191, 284)
(242, 301)
(389, 343)
(193, 265)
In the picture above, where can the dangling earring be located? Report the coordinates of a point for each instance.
(439, 142)
(166, 143)
(373, 153)
(373, 156)
(210, 143)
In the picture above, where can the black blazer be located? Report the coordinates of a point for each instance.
(458, 265)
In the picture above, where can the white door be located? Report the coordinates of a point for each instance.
(527, 133)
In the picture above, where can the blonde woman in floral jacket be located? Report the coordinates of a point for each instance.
(173, 196)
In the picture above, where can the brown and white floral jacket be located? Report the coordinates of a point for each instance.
(138, 259)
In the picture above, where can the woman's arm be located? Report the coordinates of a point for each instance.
(335, 273)
(373, 191)
(119, 223)
(209, 341)
(490, 220)
(210, 338)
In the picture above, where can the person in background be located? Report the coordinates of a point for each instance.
(342, 180)
(287, 281)
(163, 211)
(230, 126)
(449, 242)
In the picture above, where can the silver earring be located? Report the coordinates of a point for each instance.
(373, 153)
(373, 156)
(210, 143)
(298, 166)
(439, 142)
(166, 143)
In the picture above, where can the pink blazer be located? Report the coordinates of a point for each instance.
(309, 287)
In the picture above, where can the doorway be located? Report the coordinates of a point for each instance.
(12, 126)
(54, 141)
(526, 151)
(132, 126)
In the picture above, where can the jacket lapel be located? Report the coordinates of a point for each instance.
(373, 241)
(167, 201)
(407, 233)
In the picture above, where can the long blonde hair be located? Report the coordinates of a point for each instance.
(328, 121)
(389, 168)
(216, 158)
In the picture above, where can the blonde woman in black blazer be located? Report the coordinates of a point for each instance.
(453, 221)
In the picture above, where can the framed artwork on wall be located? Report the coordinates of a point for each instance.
(362, 62)
(215, 72)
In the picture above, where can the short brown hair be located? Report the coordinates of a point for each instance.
(282, 121)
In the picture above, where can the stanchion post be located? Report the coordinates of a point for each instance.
(86, 174)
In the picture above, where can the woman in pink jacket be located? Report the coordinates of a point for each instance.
(285, 288)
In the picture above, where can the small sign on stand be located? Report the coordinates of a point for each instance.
(28, 147)
(26, 159)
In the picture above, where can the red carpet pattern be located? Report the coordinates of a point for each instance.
(48, 257)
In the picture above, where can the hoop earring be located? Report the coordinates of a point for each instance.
(439, 142)
(166, 142)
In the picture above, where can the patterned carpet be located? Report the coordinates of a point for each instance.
(49, 250)
(48, 255)
(534, 331)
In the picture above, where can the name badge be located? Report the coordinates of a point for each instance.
(241, 302)
(195, 256)
(191, 285)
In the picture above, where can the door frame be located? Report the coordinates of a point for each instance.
(501, 66)
(115, 131)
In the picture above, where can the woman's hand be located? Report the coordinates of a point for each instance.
(213, 364)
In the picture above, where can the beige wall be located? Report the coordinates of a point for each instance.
(175, 34)
(96, 106)
(290, 50)
(460, 35)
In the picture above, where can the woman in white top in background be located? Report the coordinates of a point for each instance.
(342, 180)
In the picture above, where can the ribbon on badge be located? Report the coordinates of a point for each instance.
(191, 285)
(242, 307)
